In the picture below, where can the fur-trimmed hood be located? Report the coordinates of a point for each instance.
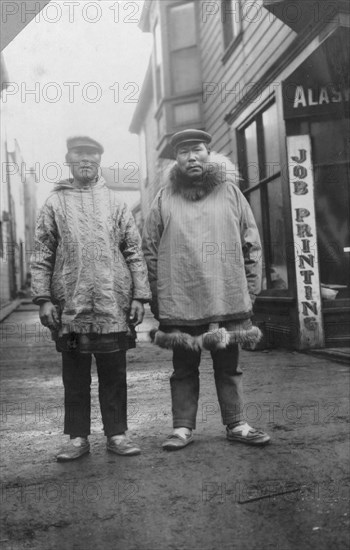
(218, 170)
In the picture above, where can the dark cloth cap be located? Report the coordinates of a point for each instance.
(84, 141)
(190, 136)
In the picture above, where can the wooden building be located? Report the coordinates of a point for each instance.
(269, 80)
(17, 212)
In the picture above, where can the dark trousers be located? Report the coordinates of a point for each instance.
(112, 391)
(184, 383)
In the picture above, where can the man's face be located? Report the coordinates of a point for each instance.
(84, 163)
(191, 158)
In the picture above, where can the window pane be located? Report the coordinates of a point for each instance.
(330, 140)
(158, 84)
(271, 141)
(157, 44)
(158, 77)
(330, 148)
(230, 19)
(182, 26)
(185, 70)
(277, 238)
(332, 217)
(161, 124)
(254, 201)
(185, 113)
(252, 154)
(236, 17)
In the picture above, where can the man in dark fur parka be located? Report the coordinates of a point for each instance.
(203, 252)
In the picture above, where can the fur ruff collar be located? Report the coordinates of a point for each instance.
(217, 171)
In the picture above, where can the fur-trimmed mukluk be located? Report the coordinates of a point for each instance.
(214, 339)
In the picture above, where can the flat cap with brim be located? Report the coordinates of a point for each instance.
(190, 136)
(84, 141)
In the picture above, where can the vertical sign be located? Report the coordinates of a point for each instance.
(301, 181)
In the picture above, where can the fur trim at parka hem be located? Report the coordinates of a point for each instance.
(213, 340)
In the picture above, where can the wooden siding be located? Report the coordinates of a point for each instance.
(261, 43)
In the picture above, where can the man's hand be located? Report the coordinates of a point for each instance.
(137, 312)
(49, 316)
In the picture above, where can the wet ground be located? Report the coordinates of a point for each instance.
(212, 495)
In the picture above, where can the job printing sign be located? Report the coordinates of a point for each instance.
(301, 183)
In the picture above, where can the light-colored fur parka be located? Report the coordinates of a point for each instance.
(203, 253)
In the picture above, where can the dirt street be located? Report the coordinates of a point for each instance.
(213, 495)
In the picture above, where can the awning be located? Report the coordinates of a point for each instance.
(15, 16)
(299, 14)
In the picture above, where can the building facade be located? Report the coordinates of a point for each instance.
(17, 212)
(269, 80)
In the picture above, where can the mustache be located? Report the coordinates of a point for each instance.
(84, 164)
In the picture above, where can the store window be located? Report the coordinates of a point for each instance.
(231, 17)
(184, 54)
(316, 103)
(259, 159)
(330, 139)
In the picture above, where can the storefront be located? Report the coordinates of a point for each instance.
(316, 113)
(293, 151)
(275, 97)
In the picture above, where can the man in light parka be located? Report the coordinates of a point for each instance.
(203, 253)
(89, 278)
